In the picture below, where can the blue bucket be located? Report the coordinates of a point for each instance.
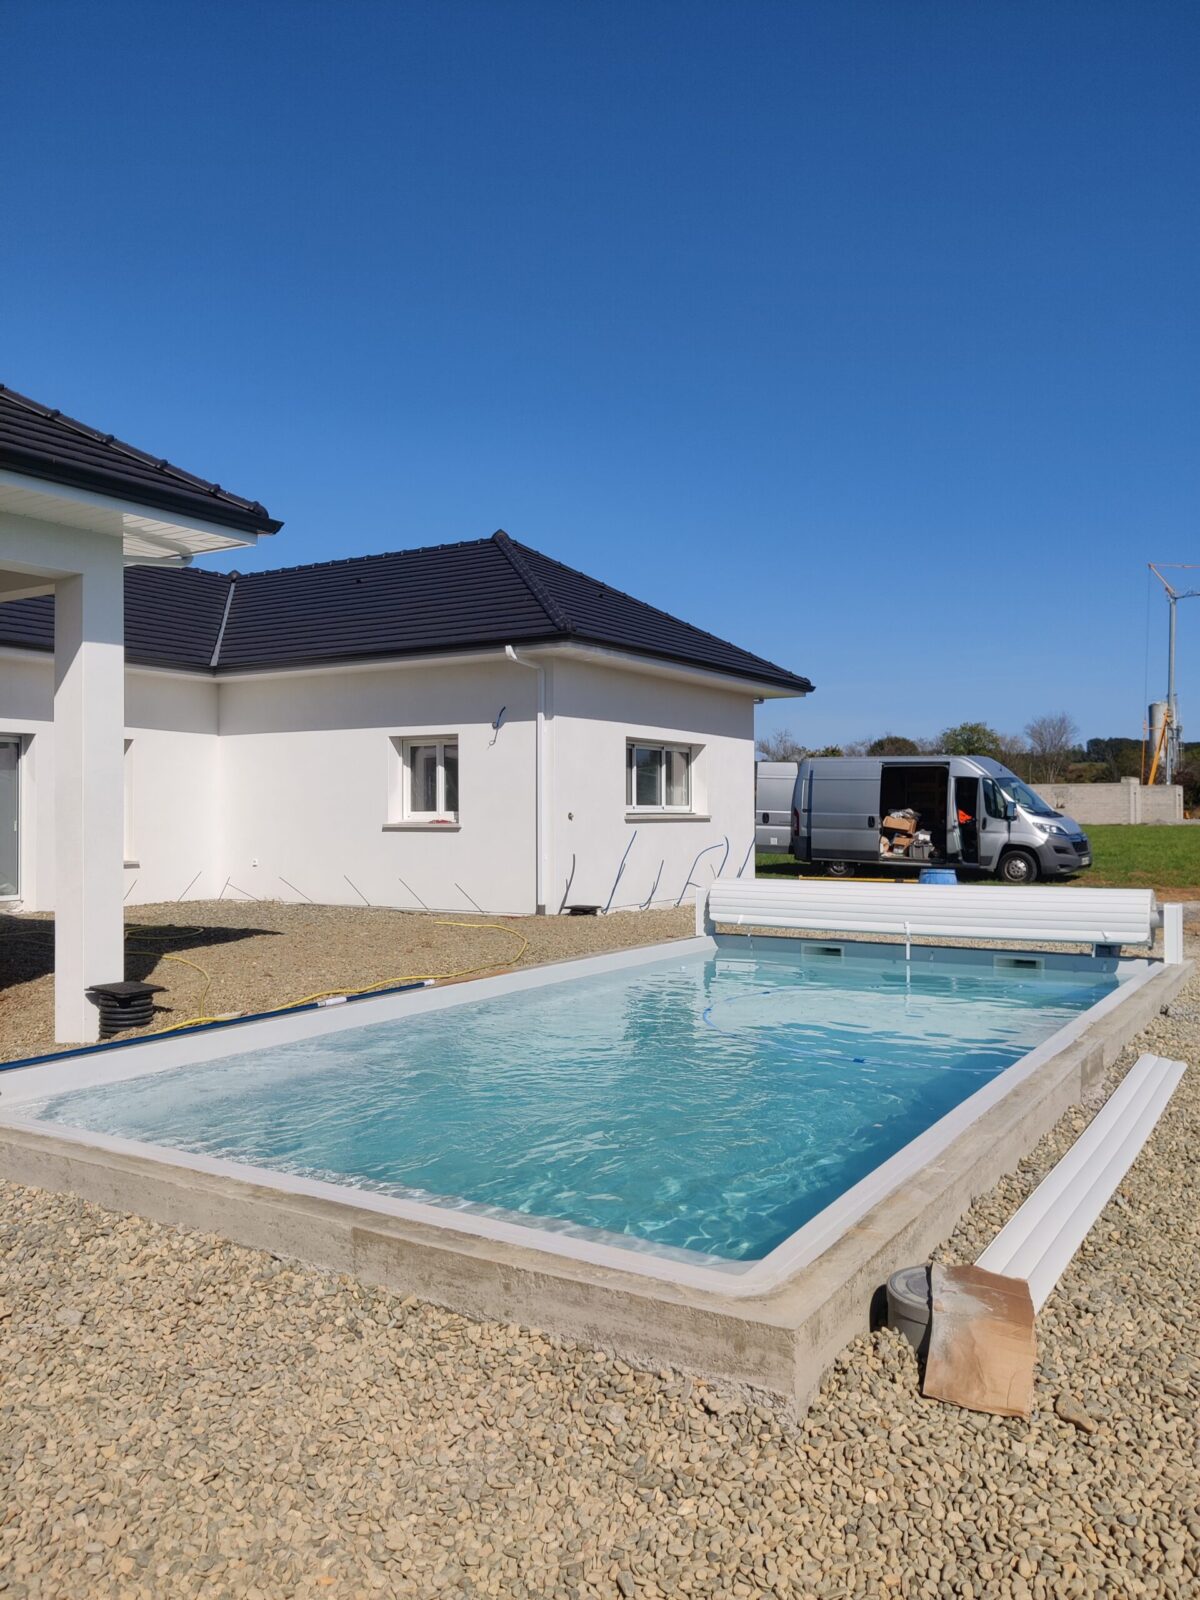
(938, 875)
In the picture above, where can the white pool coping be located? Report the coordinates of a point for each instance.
(23, 1086)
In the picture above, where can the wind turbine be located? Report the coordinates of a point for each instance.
(1173, 741)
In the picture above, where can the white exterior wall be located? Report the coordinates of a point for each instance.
(596, 711)
(284, 787)
(171, 767)
(173, 803)
(309, 779)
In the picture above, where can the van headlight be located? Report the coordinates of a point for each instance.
(1052, 827)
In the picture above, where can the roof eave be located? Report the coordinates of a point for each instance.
(50, 469)
(553, 645)
(765, 685)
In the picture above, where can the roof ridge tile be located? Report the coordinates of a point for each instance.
(537, 589)
(646, 605)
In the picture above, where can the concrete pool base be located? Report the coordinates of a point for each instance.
(782, 1340)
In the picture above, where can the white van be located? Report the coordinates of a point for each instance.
(905, 812)
(774, 782)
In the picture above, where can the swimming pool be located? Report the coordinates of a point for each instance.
(701, 1107)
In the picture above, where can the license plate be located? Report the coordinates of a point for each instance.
(1085, 861)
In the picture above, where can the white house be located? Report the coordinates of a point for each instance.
(465, 727)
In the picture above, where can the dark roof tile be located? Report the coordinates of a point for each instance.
(449, 597)
(42, 443)
(445, 598)
(172, 617)
(596, 612)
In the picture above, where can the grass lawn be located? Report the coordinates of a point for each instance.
(1144, 858)
(1163, 858)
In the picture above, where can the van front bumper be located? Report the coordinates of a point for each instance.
(1062, 855)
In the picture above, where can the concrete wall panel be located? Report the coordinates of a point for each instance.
(1127, 801)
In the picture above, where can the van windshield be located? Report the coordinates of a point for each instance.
(1014, 789)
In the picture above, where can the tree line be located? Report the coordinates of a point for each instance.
(1048, 751)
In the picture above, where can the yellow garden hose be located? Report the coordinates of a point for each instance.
(147, 930)
(331, 994)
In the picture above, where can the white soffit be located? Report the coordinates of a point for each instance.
(146, 535)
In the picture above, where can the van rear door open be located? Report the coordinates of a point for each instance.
(927, 788)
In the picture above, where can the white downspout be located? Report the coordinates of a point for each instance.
(541, 829)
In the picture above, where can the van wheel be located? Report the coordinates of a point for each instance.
(1018, 866)
(838, 869)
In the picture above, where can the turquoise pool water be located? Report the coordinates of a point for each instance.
(710, 1104)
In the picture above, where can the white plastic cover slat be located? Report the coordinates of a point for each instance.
(1053, 914)
(1039, 1241)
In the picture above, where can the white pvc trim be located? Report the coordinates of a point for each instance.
(1084, 916)
(1172, 920)
(620, 1252)
(1038, 1242)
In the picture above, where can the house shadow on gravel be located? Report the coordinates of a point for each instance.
(27, 945)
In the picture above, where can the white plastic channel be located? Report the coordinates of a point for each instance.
(1038, 1242)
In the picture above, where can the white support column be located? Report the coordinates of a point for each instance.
(89, 807)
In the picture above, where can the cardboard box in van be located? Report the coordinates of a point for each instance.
(900, 824)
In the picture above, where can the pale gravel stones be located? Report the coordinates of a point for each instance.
(1069, 1409)
(182, 1417)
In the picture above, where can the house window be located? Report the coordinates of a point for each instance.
(430, 780)
(658, 777)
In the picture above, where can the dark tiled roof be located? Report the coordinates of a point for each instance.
(172, 617)
(486, 592)
(449, 597)
(42, 443)
(590, 610)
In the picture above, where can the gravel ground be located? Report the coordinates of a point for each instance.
(182, 1417)
(219, 956)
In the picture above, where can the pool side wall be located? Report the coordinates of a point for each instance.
(781, 1341)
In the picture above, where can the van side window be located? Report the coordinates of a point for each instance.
(993, 800)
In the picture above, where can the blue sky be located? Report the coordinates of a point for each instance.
(862, 334)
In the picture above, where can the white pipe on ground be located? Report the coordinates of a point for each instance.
(1039, 1241)
(1048, 1265)
(541, 826)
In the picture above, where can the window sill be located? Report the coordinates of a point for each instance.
(422, 827)
(666, 816)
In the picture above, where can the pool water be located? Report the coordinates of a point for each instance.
(711, 1104)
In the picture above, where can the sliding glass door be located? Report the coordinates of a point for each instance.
(10, 819)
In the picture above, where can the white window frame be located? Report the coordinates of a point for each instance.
(130, 854)
(663, 746)
(405, 812)
(19, 741)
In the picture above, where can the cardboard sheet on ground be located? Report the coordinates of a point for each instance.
(981, 1345)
